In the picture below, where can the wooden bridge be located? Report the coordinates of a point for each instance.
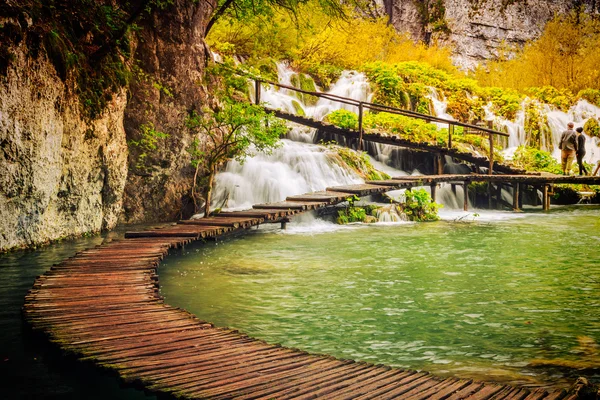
(103, 306)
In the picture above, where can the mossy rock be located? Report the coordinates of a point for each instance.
(306, 83)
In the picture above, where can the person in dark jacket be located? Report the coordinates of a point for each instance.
(581, 151)
(568, 146)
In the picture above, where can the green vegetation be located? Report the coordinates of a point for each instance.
(592, 127)
(145, 147)
(413, 129)
(88, 42)
(393, 84)
(352, 213)
(418, 206)
(232, 131)
(359, 161)
(532, 159)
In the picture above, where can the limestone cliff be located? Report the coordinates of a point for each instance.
(60, 174)
(478, 29)
(172, 57)
(65, 171)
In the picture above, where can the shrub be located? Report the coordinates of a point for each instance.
(592, 127)
(418, 206)
(532, 159)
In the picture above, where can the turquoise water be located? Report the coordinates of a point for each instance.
(479, 296)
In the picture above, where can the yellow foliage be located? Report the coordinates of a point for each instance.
(312, 38)
(350, 44)
(566, 56)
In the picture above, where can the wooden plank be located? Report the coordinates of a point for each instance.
(360, 189)
(291, 205)
(314, 197)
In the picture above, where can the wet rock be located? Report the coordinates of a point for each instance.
(60, 174)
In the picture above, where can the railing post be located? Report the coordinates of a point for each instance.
(516, 195)
(450, 133)
(257, 91)
(466, 195)
(491, 169)
(360, 125)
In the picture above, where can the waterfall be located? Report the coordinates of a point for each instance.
(298, 166)
(557, 124)
(294, 168)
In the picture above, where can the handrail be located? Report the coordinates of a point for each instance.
(377, 107)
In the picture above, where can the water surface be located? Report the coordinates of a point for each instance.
(472, 296)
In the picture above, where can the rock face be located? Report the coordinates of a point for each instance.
(173, 56)
(478, 29)
(60, 175)
(63, 175)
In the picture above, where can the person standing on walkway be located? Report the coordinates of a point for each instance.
(568, 146)
(581, 151)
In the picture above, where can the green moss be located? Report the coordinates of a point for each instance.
(360, 163)
(298, 108)
(592, 127)
(306, 83)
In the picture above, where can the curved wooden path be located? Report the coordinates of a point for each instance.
(103, 305)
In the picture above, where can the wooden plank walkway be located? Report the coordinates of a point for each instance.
(103, 305)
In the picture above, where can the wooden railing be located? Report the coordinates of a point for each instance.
(362, 105)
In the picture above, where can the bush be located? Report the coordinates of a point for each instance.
(418, 206)
(532, 159)
(592, 127)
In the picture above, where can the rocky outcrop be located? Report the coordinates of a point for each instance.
(478, 29)
(60, 174)
(65, 174)
(172, 57)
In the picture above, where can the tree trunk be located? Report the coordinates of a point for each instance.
(211, 178)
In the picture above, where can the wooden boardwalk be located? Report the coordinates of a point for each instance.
(102, 305)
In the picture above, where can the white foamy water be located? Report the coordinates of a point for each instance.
(293, 169)
(298, 166)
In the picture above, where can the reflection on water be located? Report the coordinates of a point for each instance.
(476, 296)
(29, 369)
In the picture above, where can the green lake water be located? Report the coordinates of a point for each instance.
(469, 296)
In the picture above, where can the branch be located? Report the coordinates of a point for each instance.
(217, 15)
(103, 51)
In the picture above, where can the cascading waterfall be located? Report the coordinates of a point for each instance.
(299, 166)
(294, 168)
(557, 123)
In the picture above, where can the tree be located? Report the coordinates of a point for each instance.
(234, 131)
(245, 9)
